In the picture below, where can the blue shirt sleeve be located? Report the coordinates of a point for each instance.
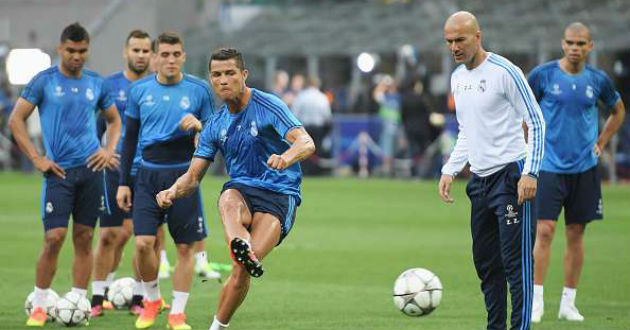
(535, 83)
(106, 99)
(133, 106)
(281, 118)
(207, 105)
(609, 94)
(207, 147)
(34, 91)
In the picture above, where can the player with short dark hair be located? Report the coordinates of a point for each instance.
(116, 226)
(492, 102)
(164, 113)
(568, 91)
(262, 143)
(68, 98)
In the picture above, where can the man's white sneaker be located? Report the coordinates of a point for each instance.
(207, 272)
(537, 312)
(570, 313)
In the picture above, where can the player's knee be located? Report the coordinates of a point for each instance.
(145, 245)
(545, 231)
(108, 237)
(230, 202)
(185, 251)
(54, 240)
(82, 236)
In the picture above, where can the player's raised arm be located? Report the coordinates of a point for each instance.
(302, 147)
(185, 184)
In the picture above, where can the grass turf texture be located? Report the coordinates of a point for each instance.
(336, 269)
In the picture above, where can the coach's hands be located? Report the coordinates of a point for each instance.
(123, 198)
(527, 187)
(45, 165)
(444, 188)
(165, 198)
(190, 123)
(277, 162)
(101, 159)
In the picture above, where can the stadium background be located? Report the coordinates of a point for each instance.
(354, 236)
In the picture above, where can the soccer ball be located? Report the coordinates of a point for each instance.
(73, 309)
(121, 292)
(417, 292)
(51, 301)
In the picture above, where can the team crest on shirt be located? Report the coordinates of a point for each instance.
(511, 216)
(589, 92)
(223, 137)
(149, 100)
(253, 130)
(482, 86)
(555, 90)
(89, 94)
(49, 207)
(59, 91)
(122, 96)
(184, 103)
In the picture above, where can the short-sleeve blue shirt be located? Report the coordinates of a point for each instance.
(67, 110)
(160, 108)
(247, 140)
(569, 106)
(117, 86)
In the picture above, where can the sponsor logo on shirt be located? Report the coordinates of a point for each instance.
(122, 96)
(166, 98)
(223, 136)
(74, 90)
(89, 94)
(59, 91)
(555, 90)
(184, 103)
(149, 100)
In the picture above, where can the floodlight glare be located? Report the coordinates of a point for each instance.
(24, 63)
(365, 62)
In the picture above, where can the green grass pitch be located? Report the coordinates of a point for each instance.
(337, 267)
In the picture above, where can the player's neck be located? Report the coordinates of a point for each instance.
(133, 76)
(476, 61)
(70, 74)
(571, 68)
(238, 104)
(170, 80)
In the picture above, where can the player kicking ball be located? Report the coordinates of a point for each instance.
(262, 143)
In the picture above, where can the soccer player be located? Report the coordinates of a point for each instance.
(67, 97)
(492, 101)
(568, 91)
(116, 226)
(262, 143)
(164, 113)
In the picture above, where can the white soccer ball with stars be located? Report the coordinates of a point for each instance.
(51, 301)
(417, 292)
(73, 309)
(121, 291)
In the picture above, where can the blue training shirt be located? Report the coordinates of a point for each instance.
(160, 108)
(117, 85)
(67, 111)
(569, 106)
(247, 140)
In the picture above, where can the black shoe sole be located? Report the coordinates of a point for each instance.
(241, 250)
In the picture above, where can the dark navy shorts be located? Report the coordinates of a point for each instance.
(281, 206)
(113, 215)
(79, 194)
(185, 219)
(580, 194)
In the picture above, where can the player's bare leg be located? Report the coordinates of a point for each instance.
(573, 261)
(182, 279)
(545, 230)
(104, 262)
(264, 235)
(83, 259)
